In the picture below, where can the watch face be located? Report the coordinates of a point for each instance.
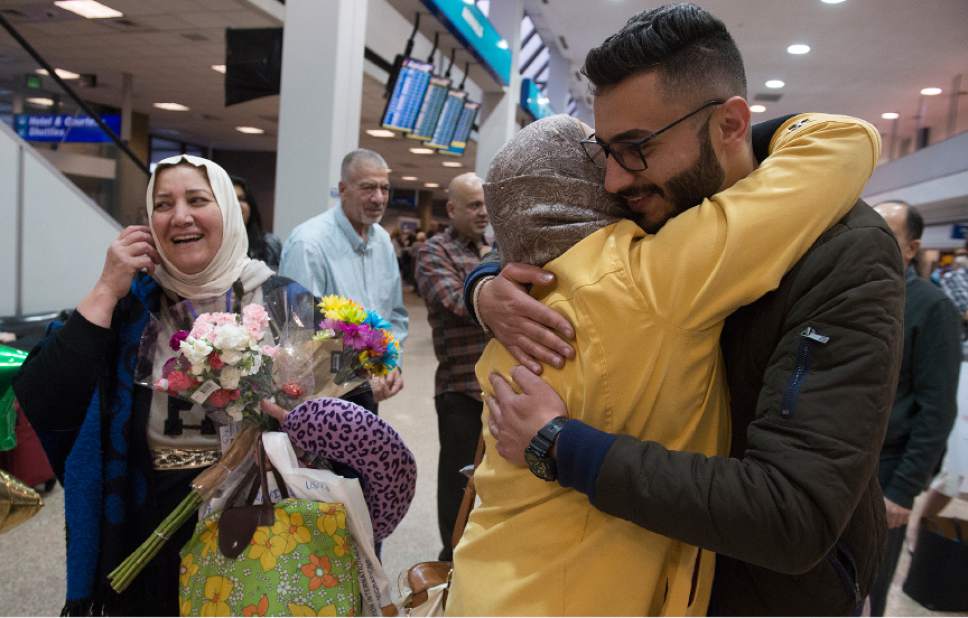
(542, 467)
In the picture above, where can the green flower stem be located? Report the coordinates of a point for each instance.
(121, 577)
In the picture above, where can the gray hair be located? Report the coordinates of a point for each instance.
(356, 157)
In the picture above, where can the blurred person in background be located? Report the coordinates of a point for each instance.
(264, 246)
(344, 251)
(925, 405)
(443, 263)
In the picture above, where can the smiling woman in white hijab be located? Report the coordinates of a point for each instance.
(125, 454)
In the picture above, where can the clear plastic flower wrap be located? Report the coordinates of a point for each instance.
(228, 358)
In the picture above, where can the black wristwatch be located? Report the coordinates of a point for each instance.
(542, 465)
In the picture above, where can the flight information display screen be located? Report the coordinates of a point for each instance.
(408, 95)
(433, 105)
(458, 143)
(449, 117)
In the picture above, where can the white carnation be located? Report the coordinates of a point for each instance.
(229, 378)
(234, 411)
(254, 366)
(231, 337)
(195, 350)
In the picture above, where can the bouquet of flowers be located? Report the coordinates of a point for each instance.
(230, 361)
(369, 347)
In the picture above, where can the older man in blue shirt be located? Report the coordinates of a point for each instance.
(343, 251)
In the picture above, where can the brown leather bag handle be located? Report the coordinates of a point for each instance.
(470, 494)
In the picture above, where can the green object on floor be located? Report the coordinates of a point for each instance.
(10, 361)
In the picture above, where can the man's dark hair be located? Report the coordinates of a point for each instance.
(690, 48)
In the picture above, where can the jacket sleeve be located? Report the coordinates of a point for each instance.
(783, 505)
(489, 267)
(57, 381)
(739, 243)
(936, 360)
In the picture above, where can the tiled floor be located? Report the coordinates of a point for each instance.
(32, 557)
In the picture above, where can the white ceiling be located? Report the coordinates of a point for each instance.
(867, 57)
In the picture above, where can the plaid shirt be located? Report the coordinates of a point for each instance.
(955, 285)
(442, 265)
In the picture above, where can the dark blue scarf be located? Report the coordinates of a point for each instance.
(99, 484)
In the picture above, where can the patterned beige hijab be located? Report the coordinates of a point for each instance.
(231, 263)
(544, 195)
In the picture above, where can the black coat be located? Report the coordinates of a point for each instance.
(795, 514)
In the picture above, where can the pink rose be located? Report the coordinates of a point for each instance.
(255, 320)
(270, 350)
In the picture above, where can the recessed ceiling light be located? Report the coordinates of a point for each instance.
(452, 164)
(380, 133)
(408, 178)
(219, 68)
(172, 107)
(503, 44)
(431, 185)
(930, 92)
(61, 73)
(41, 101)
(831, 1)
(798, 49)
(890, 115)
(88, 8)
(775, 83)
(250, 130)
(422, 151)
(757, 109)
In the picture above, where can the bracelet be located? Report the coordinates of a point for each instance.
(474, 297)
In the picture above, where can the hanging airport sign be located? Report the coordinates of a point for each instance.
(533, 101)
(471, 27)
(64, 128)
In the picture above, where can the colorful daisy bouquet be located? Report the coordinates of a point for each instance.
(368, 345)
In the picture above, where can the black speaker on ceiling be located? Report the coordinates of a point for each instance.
(253, 63)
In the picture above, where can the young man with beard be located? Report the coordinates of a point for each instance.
(794, 513)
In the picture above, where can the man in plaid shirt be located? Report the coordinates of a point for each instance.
(442, 265)
(955, 283)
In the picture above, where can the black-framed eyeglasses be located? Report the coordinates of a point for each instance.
(628, 153)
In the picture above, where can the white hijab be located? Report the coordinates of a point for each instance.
(231, 263)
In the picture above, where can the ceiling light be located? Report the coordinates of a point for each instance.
(775, 83)
(422, 151)
(88, 8)
(930, 92)
(890, 115)
(503, 44)
(431, 185)
(219, 68)
(452, 164)
(41, 101)
(250, 130)
(380, 133)
(831, 1)
(61, 73)
(798, 49)
(172, 107)
(757, 109)
(408, 178)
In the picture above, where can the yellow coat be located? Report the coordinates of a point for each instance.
(648, 312)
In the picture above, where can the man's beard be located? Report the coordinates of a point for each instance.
(690, 187)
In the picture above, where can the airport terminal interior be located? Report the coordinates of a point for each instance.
(268, 98)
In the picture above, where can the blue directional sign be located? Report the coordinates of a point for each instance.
(64, 127)
(533, 101)
(471, 27)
